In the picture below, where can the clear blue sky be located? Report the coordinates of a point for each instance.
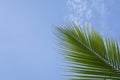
(27, 47)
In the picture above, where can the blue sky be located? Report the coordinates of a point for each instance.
(27, 45)
(26, 39)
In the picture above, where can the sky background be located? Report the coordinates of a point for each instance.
(27, 43)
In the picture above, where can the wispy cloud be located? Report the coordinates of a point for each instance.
(81, 11)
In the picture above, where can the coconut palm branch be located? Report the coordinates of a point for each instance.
(89, 55)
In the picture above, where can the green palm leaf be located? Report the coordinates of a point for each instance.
(89, 55)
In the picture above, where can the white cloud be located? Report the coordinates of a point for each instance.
(81, 11)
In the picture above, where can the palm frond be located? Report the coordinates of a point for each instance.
(90, 56)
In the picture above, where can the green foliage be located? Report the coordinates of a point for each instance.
(90, 56)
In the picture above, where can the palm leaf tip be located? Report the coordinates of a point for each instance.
(90, 56)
